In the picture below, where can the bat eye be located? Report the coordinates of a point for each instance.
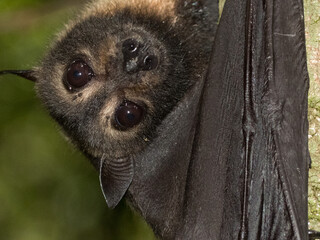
(150, 62)
(78, 74)
(130, 48)
(127, 115)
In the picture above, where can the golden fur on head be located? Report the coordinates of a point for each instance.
(165, 8)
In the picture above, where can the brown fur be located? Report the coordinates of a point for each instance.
(166, 9)
(176, 33)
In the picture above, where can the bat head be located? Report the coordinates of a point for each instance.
(112, 77)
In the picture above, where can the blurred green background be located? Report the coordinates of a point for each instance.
(48, 190)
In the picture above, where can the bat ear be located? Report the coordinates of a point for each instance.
(27, 74)
(115, 178)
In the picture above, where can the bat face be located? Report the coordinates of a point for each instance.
(115, 74)
(103, 88)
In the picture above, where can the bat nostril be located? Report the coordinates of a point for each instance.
(130, 48)
(150, 62)
(128, 115)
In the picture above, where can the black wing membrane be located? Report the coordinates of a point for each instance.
(249, 166)
(274, 154)
(231, 161)
(275, 125)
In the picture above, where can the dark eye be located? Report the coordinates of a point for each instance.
(130, 47)
(78, 74)
(150, 62)
(128, 114)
